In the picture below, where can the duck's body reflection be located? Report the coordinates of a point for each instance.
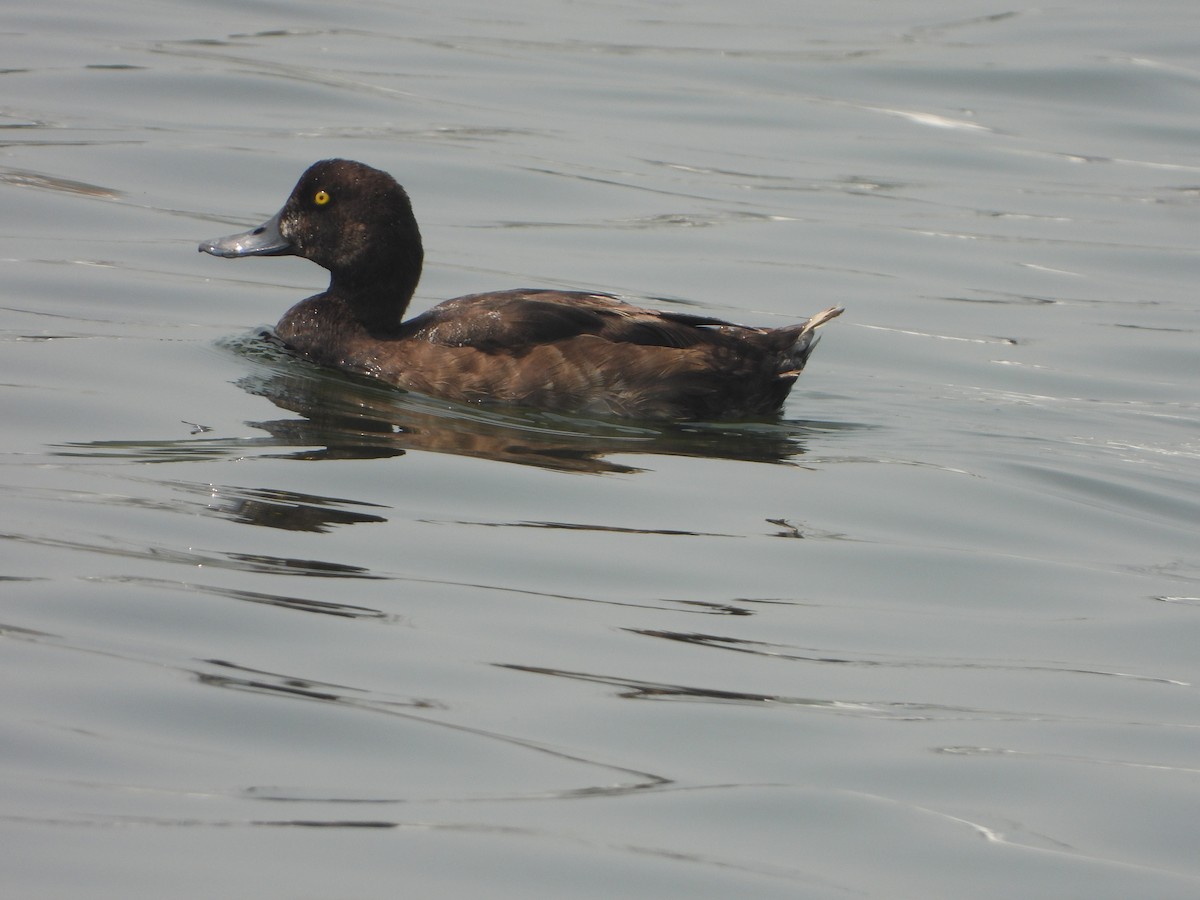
(343, 417)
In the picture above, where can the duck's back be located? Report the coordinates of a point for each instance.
(569, 351)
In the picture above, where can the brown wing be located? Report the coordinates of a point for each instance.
(515, 321)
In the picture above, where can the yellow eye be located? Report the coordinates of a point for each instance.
(321, 198)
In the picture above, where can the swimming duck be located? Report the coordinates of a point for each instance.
(562, 350)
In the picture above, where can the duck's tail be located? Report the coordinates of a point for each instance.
(802, 340)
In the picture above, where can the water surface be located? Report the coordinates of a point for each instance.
(270, 630)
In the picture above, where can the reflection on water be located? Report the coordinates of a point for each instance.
(232, 676)
(272, 508)
(793, 653)
(288, 510)
(216, 559)
(346, 417)
(281, 601)
(352, 417)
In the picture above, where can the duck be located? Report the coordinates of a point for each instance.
(574, 352)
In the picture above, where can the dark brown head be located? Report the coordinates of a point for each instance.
(353, 220)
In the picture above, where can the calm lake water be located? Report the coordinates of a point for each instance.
(273, 632)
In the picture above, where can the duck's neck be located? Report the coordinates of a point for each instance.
(379, 296)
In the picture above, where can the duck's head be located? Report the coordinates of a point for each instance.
(349, 218)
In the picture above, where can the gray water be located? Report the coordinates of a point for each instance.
(273, 632)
